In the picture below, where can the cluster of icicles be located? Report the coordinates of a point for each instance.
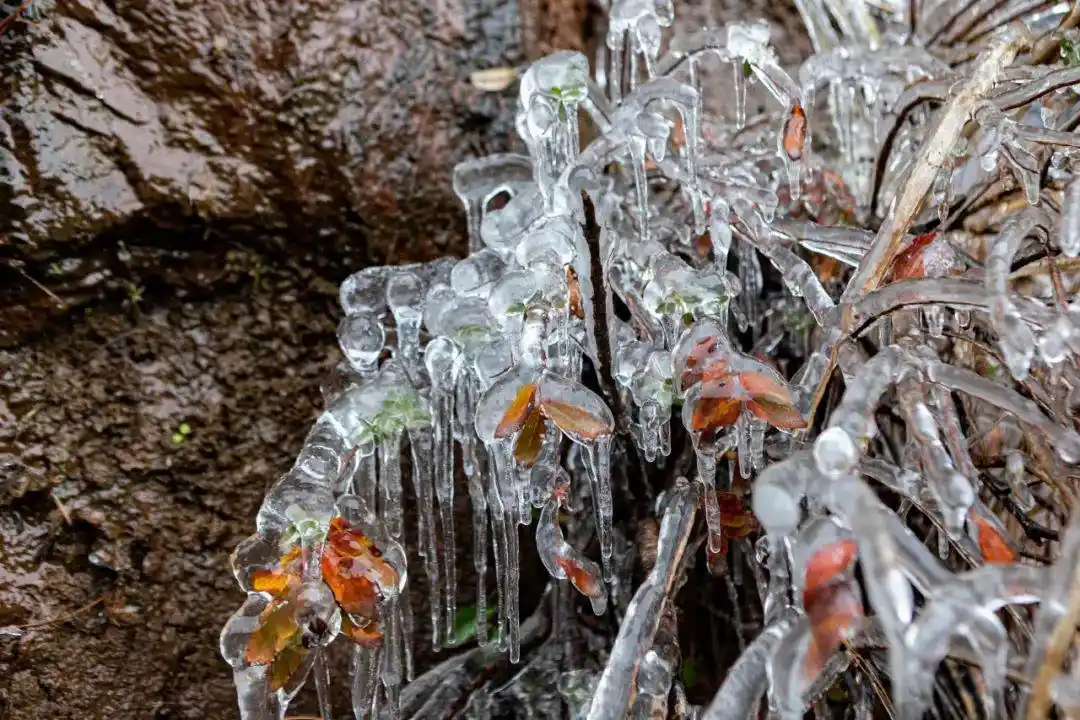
(481, 363)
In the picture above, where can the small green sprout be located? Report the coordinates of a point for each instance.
(400, 411)
(181, 434)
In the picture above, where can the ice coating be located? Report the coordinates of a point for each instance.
(680, 268)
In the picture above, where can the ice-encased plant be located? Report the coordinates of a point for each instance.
(854, 314)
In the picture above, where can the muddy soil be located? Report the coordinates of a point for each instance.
(160, 362)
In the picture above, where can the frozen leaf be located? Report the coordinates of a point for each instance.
(367, 634)
(835, 616)
(530, 441)
(795, 133)
(278, 581)
(574, 409)
(285, 666)
(827, 565)
(711, 413)
(574, 421)
(355, 569)
(992, 543)
(518, 413)
(277, 627)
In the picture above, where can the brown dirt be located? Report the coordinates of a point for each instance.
(114, 511)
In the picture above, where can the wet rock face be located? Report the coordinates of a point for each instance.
(307, 117)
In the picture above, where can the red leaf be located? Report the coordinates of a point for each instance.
(369, 635)
(835, 616)
(577, 308)
(825, 566)
(909, 262)
(586, 582)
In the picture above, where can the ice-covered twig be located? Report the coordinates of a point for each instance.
(747, 679)
(934, 153)
(616, 688)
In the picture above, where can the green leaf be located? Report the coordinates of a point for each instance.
(465, 622)
(184, 429)
(689, 672)
(747, 70)
(1070, 52)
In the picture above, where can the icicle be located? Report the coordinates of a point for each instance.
(739, 66)
(422, 448)
(953, 492)
(598, 467)
(390, 671)
(746, 681)
(441, 357)
(390, 481)
(616, 687)
(478, 500)
(405, 296)
(364, 668)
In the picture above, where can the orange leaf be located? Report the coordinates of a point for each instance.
(795, 133)
(276, 628)
(995, 549)
(586, 582)
(518, 412)
(369, 635)
(354, 569)
(573, 420)
(285, 666)
(711, 413)
(277, 581)
(762, 385)
(577, 309)
(777, 414)
(531, 439)
(825, 566)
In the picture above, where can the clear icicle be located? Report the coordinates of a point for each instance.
(405, 296)
(364, 668)
(615, 690)
(390, 482)
(953, 492)
(598, 467)
(441, 358)
(478, 500)
(422, 448)
(740, 92)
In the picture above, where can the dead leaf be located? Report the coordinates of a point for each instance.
(573, 420)
(517, 414)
